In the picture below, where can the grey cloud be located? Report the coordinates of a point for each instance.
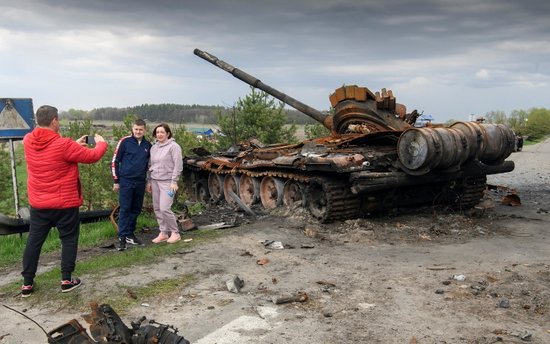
(298, 45)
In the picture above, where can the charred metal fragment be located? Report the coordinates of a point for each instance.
(107, 327)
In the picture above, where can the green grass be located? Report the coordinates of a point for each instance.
(91, 235)
(97, 265)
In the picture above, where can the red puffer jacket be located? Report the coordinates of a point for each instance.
(53, 180)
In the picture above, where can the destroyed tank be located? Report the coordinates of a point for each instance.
(374, 160)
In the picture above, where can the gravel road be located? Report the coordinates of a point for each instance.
(386, 279)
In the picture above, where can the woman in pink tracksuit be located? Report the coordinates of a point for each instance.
(165, 166)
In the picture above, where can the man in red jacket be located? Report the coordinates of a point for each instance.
(55, 193)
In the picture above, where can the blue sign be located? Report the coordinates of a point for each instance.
(16, 117)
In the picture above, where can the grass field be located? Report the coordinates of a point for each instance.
(94, 235)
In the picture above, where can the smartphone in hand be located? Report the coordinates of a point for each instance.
(90, 140)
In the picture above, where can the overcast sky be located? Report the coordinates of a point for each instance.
(448, 58)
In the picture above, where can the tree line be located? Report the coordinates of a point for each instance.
(172, 113)
(533, 124)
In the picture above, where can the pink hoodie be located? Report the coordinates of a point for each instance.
(166, 162)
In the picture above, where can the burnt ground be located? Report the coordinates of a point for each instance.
(422, 275)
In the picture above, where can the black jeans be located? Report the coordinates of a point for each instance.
(67, 222)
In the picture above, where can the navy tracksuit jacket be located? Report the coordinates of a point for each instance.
(129, 168)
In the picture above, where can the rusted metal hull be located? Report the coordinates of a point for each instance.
(374, 160)
(342, 176)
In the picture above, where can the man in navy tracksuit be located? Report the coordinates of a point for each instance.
(129, 168)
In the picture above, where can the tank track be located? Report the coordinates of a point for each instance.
(471, 193)
(330, 200)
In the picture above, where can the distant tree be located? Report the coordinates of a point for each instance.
(6, 187)
(295, 116)
(495, 117)
(95, 178)
(538, 124)
(171, 113)
(517, 120)
(313, 131)
(256, 116)
(74, 114)
(125, 129)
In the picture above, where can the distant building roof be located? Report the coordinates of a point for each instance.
(201, 131)
(423, 119)
(426, 117)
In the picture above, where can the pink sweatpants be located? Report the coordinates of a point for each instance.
(162, 204)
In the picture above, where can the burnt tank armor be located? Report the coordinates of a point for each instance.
(374, 159)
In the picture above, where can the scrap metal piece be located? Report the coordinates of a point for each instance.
(69, 333)
(107, 327)
(300, 297)
(511, 200)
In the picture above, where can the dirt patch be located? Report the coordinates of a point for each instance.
(420, 275)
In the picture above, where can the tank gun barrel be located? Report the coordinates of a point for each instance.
(254, 82)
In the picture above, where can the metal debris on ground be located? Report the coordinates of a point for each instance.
(185, 252)
(272, 244)
(505, 303)
(184, 221)
(436, 268)
(300, 297)
(107, 327)
(511, 200)
(330, 284)
(218, 225)
(262, 261)
(235, 284)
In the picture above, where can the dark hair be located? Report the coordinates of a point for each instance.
(140, 122)
(45, 115)
(166, 128)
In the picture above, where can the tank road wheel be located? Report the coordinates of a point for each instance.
(317, 201)
(215, 186)
(271, 192)
(230, 183)
(249, 189)
(293, 193)
(201, 191)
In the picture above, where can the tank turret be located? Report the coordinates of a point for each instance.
(357, 109)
